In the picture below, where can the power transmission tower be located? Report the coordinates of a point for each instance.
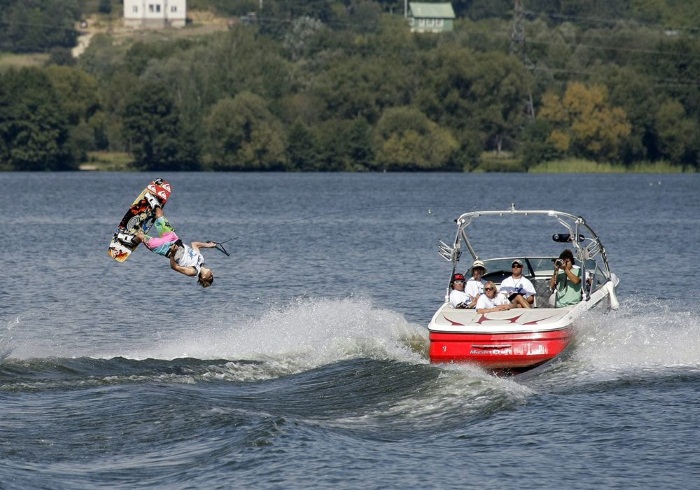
(517, 48)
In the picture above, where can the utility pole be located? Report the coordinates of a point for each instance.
(517, 48)
(517, 31)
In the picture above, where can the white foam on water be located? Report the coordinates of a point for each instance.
(6, 340)
(300, 336)
(639, 335)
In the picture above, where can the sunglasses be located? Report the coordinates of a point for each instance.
(517, 266)
(489, 289)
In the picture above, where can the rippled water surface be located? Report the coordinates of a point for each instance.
(305, 365)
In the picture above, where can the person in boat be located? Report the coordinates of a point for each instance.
(566, 280)
(475, 285)
(184, 259)
(458, 298)
(491, 301)
(517, 288)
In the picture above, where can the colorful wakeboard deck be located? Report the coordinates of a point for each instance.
(139, 216)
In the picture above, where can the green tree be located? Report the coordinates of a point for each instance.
(345, 145)
(483, 93)
(140, 54)
(239, 60)
(535, 145)
(361, 87)
(277, 16)
(362, 16)
(444, 90)
(77, 93)
(115, 94)
(33, 127)
(105, 7)
(677, 133)
(242, 134)
(38, 25)
(359, 145)
(636, 94)
(677, 66)
(103, 58)
(76, 90)
(303, 148)
(153, 126)
(649, 10)
(584, 123)
(405, 139)
(499, 91)
(296, 40)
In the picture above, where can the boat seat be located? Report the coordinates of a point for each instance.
(543, 292)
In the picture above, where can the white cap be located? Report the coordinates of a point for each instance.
(478, 263)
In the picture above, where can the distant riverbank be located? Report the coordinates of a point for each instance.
(122, 162)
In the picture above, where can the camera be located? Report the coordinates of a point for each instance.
(559, 263)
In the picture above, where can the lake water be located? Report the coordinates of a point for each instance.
(305, 365)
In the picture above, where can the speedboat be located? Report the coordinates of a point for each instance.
(519, 339)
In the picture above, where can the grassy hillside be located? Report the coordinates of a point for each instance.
(10, 60)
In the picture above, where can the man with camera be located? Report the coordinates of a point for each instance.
(566, 280)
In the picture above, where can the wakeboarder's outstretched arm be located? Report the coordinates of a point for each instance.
(197, 245)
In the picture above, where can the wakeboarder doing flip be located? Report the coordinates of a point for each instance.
(184, 259)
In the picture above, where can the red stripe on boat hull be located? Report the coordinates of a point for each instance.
(511, 351)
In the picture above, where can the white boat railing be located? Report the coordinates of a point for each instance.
(580, 236)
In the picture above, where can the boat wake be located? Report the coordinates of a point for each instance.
(640, 335)
(303, 335)
(345, 364)
(640, 339)
(640, 342)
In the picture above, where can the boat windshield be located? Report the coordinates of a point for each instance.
(500, 268)
(537, 268)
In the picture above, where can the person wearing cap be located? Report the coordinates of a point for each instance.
(566, 280)
(475, 284)
(517, 288)
(491, 301)
(458, 298)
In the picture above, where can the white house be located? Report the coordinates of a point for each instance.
(431, 17)
(155, 13)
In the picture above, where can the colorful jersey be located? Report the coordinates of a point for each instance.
(165, 239)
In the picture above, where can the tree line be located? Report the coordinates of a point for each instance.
(326, 85)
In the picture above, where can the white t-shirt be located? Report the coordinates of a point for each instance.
(458, 297)
(474, 288)
(486, 302)
(521, 286)
(186, 257)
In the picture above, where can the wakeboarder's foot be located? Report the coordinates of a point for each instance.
(152, 201)
(127, 239)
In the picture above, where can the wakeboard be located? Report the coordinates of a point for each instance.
(139, 216)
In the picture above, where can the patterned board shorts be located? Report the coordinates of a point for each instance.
(166, 237)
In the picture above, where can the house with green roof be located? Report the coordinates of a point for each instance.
(431, 17)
